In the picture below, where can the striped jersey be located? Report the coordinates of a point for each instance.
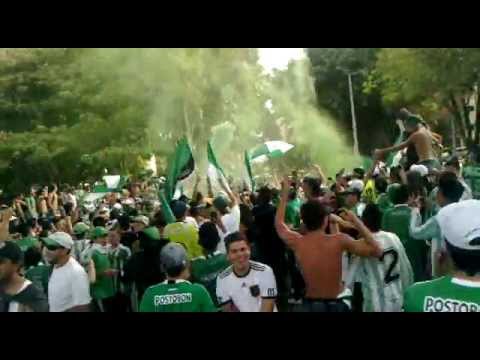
(385, 279)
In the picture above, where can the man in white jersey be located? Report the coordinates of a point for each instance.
(245, 286)
(383, 279)
(450, 191)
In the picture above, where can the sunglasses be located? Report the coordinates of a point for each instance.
(53, 247)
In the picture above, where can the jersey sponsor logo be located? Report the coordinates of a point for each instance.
(433, 304)
(184, 298)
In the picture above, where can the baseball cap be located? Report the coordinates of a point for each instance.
(59, 239)
(173, 255)
(179, 208)
(354, 186)
(141, 219)
(11, 251)
(421, 169)
(80, 228)
(99, 232)
(460, 224)
(220, 202)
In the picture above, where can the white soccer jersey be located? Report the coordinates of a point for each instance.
(246, 292)
(385, 279)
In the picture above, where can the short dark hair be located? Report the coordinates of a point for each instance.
(99, 221)
(454, 162)
(208, 236)
(246, 216)
(467, 261)
(264, 195)
(24, 229)
(401, 195)
(372, 217)
(32, 257)
(124, 221)
(313, 214)
(234, 237)
(381, 184)
(292, 194)
(314, 184)
(450, 187)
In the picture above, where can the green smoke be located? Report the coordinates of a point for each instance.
(217, 94)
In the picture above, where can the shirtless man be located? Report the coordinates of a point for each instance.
(320, 255)
(421, 139)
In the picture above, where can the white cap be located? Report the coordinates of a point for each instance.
(355, 185)
(60, 238)
(421, 169)
(460, 224)
(117, 206)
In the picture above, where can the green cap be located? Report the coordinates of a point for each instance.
(99, 232)
(80, 228)
(220, 202)
(152, 233)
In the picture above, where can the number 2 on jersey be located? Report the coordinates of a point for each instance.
(389, 277)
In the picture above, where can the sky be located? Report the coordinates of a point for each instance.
(278, 58)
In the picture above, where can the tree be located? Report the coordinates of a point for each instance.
(430, 81)
(330, 67)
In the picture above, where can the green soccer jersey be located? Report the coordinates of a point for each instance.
(445, 294)
(206, 269)
(397, 221)
(177, 296)
(383, 202)
(186, 234)
(103, 287)
(28, 242)
(39, 276)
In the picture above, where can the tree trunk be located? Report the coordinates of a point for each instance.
(457, 113)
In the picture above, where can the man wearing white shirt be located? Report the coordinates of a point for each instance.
(229, 222)
(246, 286)
(453, 165)
(450, 191)
(68, 288)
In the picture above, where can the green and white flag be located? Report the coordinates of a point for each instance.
(248, 167)
(215, 171)
(269, 150)
(180, 167)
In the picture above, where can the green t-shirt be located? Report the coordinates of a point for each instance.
(178, 296)
(397, 221)
(383, 202)
(445, 294)
(206, 269)
(471, 174)
(28, 242)
(118, 258)
(186, 234)
(292, 213)
(103, 287)
(39, 276)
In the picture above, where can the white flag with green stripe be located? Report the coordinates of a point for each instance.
(215, 172)
(270, 150)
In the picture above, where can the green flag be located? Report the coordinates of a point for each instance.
(166, 210)
(180, 167)
(215, 171)
(248, 166)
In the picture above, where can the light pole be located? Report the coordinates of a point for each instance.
(354, 119)
(349, 74)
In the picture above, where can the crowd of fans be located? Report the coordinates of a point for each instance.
(405, 237)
